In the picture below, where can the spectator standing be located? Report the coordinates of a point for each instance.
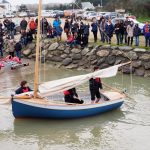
(11, 45)
(23, 25)
(18, 49)
(67, 27)
(33, 27)
(11, 29)
(109, 31)
(102, 30)
(121, 30)
(94, 26)
(117, 32)
(130, 29)
(126, 23)
(137, 33)
(146, 31)
(86, 35)
(1, 45)
(44, 27)
(56, 22)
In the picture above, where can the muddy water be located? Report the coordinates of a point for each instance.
(124, 129)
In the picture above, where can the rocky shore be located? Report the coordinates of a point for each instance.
(61, 55)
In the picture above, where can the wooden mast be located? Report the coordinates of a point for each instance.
(36, 76)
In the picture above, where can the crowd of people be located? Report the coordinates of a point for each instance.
(77, 32)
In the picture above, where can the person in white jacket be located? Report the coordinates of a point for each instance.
(130, 32)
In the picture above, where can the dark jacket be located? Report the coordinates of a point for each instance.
(117, 28)
(1, 42)
(94, 27)
(86, 30)
(11, 26)
(22, 89)
(136, 31)
(121, 29)
(23, 24)
(18, 46)
(109, 29)
(95, 84)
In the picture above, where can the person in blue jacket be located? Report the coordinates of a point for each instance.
(94, 26)
(146, 31)
(56, 22)
(109, 29)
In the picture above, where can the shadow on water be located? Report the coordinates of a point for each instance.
(43, 127)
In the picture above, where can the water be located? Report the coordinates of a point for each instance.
(124, 129)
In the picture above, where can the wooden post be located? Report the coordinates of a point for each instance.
(36, 76)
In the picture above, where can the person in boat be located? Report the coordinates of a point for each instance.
(95, 85)
(71, 96)
(23, 88)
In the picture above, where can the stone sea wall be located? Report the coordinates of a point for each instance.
(61, 55)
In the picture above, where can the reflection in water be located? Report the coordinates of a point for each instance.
(116, 130)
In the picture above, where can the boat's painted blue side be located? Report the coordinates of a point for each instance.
(59, 112)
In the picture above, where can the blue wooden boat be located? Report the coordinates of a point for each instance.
(37, 108)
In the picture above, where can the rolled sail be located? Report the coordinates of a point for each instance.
(57, 86)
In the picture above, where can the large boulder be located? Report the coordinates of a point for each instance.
(140, 72)
(56, 59)
(67, 61)
(57, 52)
(62, 47)
(76, 50)
(146, 65)
(114, 47)
(136, 64)
(131, 55)
(139, 50)
(91, 58)
(125, 48)
(105, 47)
(64, 56)
(117, 52)
(46, 46)
(102, 53)
(145, 57)
(46, 41)
(72, 66)
(76, 56)
(85, 51)
(128, 69)
(32, 46)
(111, 60)
(147, 73)
(27, 52)
(53, 46)
(83, 62)
(100, 61)
(94, 62)
(67, 51)
(103, 66)
(44, 53)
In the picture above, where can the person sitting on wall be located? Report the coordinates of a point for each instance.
(71, 96)
(95, 85)
(23, 88)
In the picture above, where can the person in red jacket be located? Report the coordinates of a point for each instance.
(23, 88)
(33, 26)
(95, 85)
(71, 96)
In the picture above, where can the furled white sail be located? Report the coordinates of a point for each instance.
(57, 86)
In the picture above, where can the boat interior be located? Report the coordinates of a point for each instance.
(106, 96)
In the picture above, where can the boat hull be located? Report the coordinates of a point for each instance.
(30, 110)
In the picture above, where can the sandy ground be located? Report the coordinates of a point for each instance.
(91, 38)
